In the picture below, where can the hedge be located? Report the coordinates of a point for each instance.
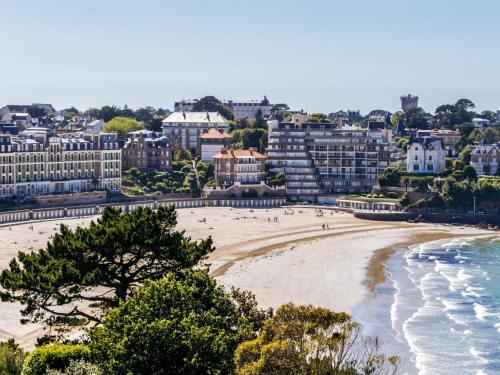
(55, 357)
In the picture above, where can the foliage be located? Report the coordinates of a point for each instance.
(77, 368)
(311, 340)
(246, 138)
(390, 177)
(280, 110)
(317, 117)
(122, 126)
(405, 199)
(450, 115)
(260, 123)
(415, 119)
(117, 253)
(278, 180)
(54, 357)
(212, 104)
(182, 324)
(11, 358)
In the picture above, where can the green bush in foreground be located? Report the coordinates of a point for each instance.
(11, 358)
(54, 357)
(182, 324)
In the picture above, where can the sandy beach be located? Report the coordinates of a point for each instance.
(279, 254)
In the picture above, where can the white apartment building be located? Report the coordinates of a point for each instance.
(185, 128)
(485, 158)
(481, 123)
(249, 109)
(33, 165)
(425, 155)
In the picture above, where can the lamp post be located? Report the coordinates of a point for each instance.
(474, 204)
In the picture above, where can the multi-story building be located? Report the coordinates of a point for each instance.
(185, 128)
(239, 166)
(325, 158)
(484, 159)
(449, 138)
(425, 155)
(212, 143)
(35, 164)
(481, 123)
(145, 149)
(249, 109)
(184, 105)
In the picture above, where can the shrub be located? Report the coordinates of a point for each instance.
(54, 357)
(78, 368)
(11, 358)
(392, 194)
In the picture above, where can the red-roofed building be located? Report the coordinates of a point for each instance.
(212, 143)
(243, 166)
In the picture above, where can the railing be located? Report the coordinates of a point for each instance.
(79, 211)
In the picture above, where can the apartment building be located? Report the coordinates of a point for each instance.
(242, 166)
(185, 128)
(448, 137)
(325, 158)
(35, 164)
(249, 109)
(485, 158)
(425, 155)
(212, 143)
(145, 149)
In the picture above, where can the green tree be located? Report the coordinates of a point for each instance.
(54, 357)
(123, 125)
(182, 324)
(11, 358)
(77, 368)
(212, 104)
(317, 117)
(117, 253)
(491, 136)
(415, 119)
(260, 123)
(311, 340)
(109, 112)
(280, 110)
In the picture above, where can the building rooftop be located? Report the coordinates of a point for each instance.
(190, 117)
(232, 154)
(214, 133)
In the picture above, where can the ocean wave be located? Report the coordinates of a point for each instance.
(481, 311)
(478, 354)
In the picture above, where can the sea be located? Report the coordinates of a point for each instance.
(439, 309)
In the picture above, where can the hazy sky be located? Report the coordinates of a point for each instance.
(319, 55)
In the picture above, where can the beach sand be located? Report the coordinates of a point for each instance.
(292, 259)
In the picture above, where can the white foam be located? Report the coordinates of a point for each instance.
(481, 311)
(478, 354)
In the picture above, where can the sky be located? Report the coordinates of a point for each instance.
(316, 55)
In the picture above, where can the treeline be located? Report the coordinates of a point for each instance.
(142, 290)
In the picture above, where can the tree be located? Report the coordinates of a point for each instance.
(317, 117)
(311, 340)
(415, 119)
(77, 368)
(246, 138)
(212, 104)
(11, 358)
(116, 254)
(469, 172)
(123, 125)
(181, 324)
(107, 113)
(280, 110)
(491, 136)
(54, 357)
(450, 115)
(260, 123)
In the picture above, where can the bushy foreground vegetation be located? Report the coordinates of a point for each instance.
(159, 312)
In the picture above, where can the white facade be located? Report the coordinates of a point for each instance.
(481, 122)
(425, 155)
(30, 167)
(185, 128)
(249, 109)
(485, 158)
(208, 151)
(95, 126)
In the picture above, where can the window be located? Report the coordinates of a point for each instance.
(430, 167)
(430, 157)
(416, 167)
(416, 157)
